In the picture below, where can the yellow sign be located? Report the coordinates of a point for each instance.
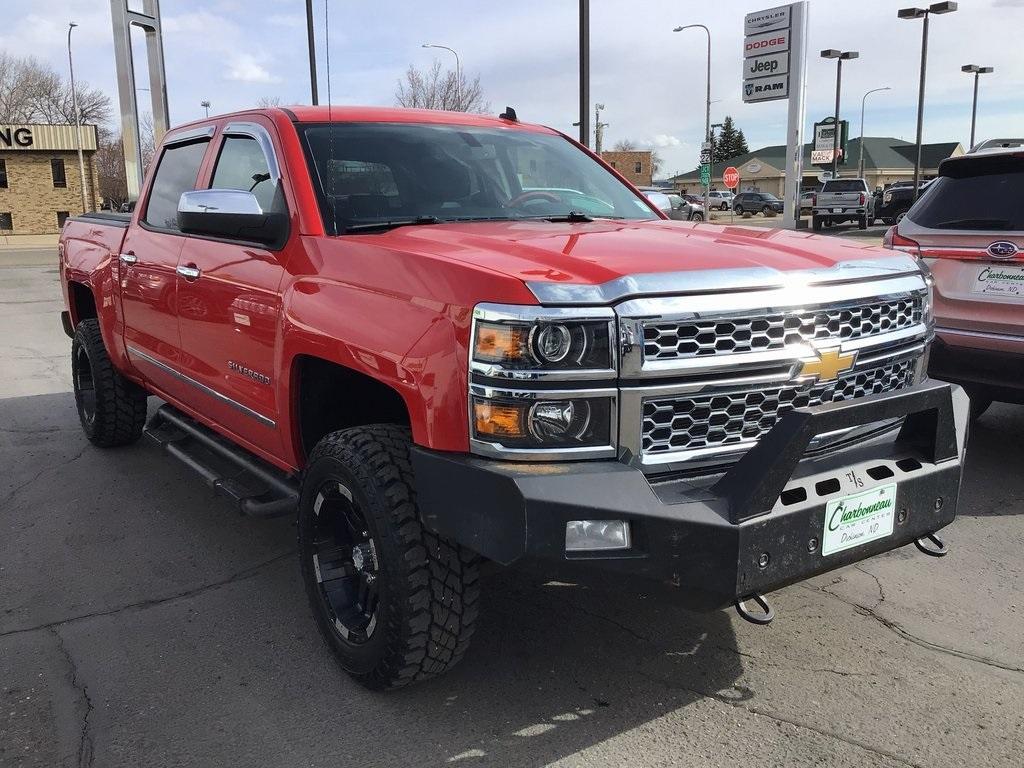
(828, 364)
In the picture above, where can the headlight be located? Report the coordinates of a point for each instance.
(507, 339)
(516, 354)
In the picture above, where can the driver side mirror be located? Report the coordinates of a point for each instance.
(230, 213)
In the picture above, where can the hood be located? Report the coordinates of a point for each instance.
(598, 252)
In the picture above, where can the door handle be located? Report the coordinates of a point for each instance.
(189, 273)
(128, 258)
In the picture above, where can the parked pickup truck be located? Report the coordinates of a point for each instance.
(841, 200)
(436, 338)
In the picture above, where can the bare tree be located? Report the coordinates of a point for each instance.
(109, 160)
(266, 102)
(33, 92)
(147, 139)
(436, 88)
(628, 145)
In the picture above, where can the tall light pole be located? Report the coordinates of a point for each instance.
(311, 48)
(976, 71)
(707, 111)
(584, 23)
(458, 71)
(923, 13)
(205, 105)
(840, 57)
(78, 117)
(860, 163)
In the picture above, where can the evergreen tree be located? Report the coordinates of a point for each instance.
(741, 144)
(730, 142)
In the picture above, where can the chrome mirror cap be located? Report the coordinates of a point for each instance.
(223, 201)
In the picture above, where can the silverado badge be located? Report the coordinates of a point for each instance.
(828, 364)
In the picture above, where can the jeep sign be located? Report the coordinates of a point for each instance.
(771, 42)
(765, 66)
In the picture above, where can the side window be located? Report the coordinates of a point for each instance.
(60, 179)
(3, 174)
(242, 165)
(177, 173)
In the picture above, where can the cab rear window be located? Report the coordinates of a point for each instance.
(844, 185)
(980, 194)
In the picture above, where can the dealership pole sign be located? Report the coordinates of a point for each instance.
(775, 68)
(824, 141)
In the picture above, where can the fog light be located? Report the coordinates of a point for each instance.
(596, 535)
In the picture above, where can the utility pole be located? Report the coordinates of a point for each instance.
(598, 128)
(78, 117)
(311, 46)
(584, 22)
(205, 105)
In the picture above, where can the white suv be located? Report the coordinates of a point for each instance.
(720, 200)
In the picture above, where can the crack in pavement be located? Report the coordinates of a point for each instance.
(85, 750)
(898, 629)
(49, 468)
(241, 575)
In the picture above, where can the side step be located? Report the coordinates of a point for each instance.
(259, 489)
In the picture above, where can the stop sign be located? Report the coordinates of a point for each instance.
(731, 177)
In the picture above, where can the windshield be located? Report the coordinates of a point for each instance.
(371, 174)
(975, 195)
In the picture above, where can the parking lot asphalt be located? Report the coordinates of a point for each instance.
(144, 623)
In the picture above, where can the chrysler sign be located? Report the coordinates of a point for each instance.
(765, 21)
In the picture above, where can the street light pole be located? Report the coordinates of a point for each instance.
(923, 13)
(458, 72)
(584, 23)
(311, 48)
(78, 118)
(205, 105)
(976, 71)
(860, 163)
(598, 129)
(707, 110)
(840, 57)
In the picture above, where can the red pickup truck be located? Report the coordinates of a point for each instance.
(438, 338)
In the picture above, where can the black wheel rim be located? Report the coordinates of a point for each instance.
(345, 562)
(85, 386)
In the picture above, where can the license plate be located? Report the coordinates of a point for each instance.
(1000, 280)
(859, 518)
(837, 210)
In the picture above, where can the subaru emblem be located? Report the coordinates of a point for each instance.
(1003, 249)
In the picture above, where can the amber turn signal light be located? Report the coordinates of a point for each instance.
(499, 343)
(498, 420)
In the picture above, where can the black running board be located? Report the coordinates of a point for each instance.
(258, 489)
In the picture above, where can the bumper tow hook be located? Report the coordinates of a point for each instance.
(932, 545)
(766, 614)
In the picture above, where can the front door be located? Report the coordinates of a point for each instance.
(229, 304)
(147, 270)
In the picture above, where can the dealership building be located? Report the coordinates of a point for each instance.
(40, 182)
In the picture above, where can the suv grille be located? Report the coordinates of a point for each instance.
(699, 338)
(741, 417)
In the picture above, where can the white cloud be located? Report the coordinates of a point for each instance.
(662, 140)
(246, 69)
(290, 20)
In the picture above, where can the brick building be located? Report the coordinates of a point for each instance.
(40, 182)
(634, 165)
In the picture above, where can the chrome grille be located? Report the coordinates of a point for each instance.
(698, 338)
(741, 416)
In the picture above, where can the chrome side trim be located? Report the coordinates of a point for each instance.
(718, 281)
(979, 334)
(177, 137)
(262, 137)
(267, 422)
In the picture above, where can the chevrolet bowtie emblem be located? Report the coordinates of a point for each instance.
(827, 365)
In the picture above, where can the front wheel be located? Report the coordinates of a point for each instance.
(697, 217)
(395, 602)
(738, 210)
(111, 408)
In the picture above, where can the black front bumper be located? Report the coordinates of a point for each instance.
(752, 529)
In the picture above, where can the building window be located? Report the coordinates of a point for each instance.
(6, 225)
(57, 169)
(613, 164)
(3, 174)
(638, 168)
(62, 216)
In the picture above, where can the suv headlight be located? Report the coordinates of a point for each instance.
(516, 352)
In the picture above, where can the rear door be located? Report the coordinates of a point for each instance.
(148, 262)
(230, 305)
(969, 226)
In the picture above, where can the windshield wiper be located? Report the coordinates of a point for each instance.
(571, 216)
(974, 224)
(372, 226)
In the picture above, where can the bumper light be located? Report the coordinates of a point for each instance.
(596, 535)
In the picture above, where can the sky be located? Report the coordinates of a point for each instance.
(651, 80)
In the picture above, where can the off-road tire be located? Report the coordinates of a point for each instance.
(115, 412)
(816, 223)
(428, 587)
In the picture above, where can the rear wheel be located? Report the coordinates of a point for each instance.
(111, 408)
(395, 602)
(862, 222)
(816, 223)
